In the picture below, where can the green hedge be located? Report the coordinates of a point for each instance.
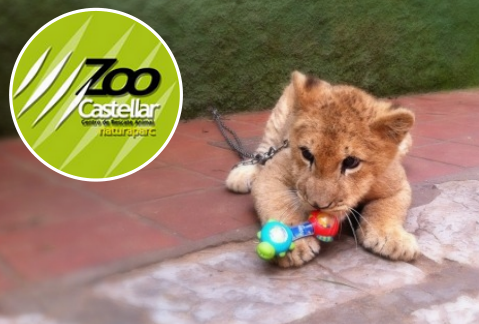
(237, 55)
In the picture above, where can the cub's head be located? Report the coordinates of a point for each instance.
(342, 141)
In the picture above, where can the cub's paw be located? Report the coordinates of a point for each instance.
(395, 244)
(305, 250)
(241, 177)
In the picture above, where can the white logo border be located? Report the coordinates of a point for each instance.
(180, 83)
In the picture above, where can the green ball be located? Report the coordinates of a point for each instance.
(265, 251)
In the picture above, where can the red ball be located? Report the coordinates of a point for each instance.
(324, 224)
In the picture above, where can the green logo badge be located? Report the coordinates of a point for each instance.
(96, 94)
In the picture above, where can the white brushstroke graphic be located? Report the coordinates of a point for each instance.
(59, 94)
(32, 73)
(73, 105)
(65, 52)
(45, 85)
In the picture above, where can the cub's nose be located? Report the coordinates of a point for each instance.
(316, 205)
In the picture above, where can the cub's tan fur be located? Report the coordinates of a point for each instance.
(345, 150)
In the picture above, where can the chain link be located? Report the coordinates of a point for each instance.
(237, 146)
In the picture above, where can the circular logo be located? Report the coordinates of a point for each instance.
(96, 94)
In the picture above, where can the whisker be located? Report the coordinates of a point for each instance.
(291, 206)
(357, 216)
(354, 232)
(340, 230)
(371, 228)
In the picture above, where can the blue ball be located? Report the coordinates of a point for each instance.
(277, 237)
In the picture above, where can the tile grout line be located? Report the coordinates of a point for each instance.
(446, 163)
(255, 127)
(124, 210)
(99, 198)
(207, 189)
(183, 168)
(442, 141)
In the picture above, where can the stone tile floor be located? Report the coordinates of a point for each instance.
(69, 240)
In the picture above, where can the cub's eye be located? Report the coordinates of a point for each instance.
(351, 162)
(307, 154)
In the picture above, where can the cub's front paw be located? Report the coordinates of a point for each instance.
(241, 177)
(395, 244)
(305, 250)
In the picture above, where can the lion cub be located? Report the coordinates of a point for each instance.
(345, 149)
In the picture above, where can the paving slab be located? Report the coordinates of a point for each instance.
(464, 309)
(230, 284)
(448, 227)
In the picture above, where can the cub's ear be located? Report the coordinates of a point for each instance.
(298, 79)
(307, 88)
(395, 125)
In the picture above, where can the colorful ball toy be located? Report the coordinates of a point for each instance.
(277, 238)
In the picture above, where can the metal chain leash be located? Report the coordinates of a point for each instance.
(237, 146)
